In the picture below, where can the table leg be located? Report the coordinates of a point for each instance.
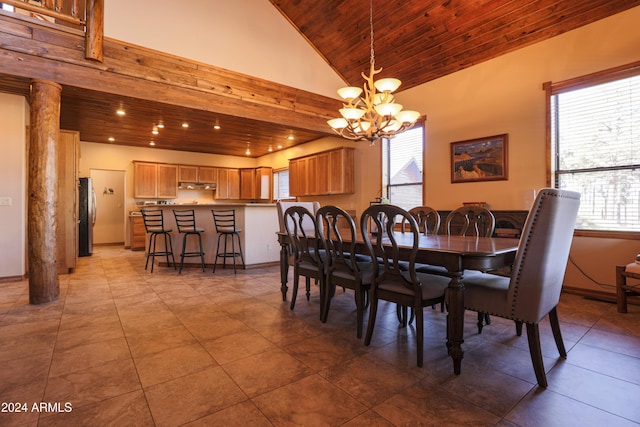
(284, 269)
(455, 320)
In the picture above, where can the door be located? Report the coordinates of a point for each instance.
(109, 227)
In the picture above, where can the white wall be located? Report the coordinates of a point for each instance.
(246, 36)
(13, 171)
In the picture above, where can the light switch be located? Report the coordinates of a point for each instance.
(5, 201)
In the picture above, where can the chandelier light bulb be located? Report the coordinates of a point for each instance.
(349, 92)
(387, 85)
(407, 116)
(352, 113)
(390, 109)
(339, 123)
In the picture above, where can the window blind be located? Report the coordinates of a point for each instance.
(596, 138)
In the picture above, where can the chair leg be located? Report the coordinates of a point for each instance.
(215, 262)
(359, 311)
(518, 328)
(373, 310)
(146, 264)
(170, 250)
(201, 251)
(325, 300)
(419, 334)
(555, 328)
(480, 322)
(184, 247)
(240, 252)
(307, 282)
(153, 254)
(294, 292)
(621, 293)
(533, 335)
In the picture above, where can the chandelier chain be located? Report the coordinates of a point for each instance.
(372, 60)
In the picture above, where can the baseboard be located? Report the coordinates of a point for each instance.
(219, 266)
(598, 295)
(12, 278)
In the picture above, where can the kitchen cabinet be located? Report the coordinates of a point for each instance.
(137, 233)
(187, 173)
(264, 179)
(207, 175)
(228, 187)
(298, 177)
(247, 184)
(197, 174)
(155, 180)
(328, 172)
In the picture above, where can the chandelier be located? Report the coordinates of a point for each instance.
(373, 115)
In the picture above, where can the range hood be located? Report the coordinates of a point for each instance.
(196, 186)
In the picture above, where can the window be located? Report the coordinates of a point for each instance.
(7, 7)
(595, 141)
(402, 168)
(281, 185)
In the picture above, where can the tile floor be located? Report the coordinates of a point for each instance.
(123, 346)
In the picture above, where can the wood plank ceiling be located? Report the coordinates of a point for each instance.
(415, 40)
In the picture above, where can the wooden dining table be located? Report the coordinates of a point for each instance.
(456, 254)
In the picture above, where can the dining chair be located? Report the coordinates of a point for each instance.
(533, 289)
(338, 235)
(466, 221)
(470, 221)
(428, 219)
(405, 287)
(281, 207)
(307, 255)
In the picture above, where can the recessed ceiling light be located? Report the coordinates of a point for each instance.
(155, 130)
(279, 147)
(160, 125)
(290, 137)
(185, 125)
(216, 127)
(120, 112)
(111, 139)
(152, 143)
(270, 149)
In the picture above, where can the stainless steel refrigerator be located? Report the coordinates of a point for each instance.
(87, 216)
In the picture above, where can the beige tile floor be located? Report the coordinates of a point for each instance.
(126, 347)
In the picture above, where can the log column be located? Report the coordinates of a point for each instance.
(43, 192)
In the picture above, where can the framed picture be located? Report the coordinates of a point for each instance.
(481, 159)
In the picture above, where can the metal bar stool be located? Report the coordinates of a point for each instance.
(154, 226)
(225, 221)
(186, 222)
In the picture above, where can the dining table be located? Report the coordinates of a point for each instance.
(456, 254)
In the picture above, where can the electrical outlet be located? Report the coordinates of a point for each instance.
(5, 201)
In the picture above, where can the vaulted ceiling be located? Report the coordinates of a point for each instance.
(415, 40)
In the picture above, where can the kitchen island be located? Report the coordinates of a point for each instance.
(258, 222)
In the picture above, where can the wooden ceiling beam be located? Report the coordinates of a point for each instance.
(33, 49)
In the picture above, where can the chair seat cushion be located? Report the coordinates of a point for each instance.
(433, 286)
(228, 230)
(487, 293)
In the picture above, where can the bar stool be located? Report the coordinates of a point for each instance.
(154, 226)
(225, 221)
(186, 222)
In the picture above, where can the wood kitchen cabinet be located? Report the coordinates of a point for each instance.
(228, 187)
(264, 180)
(155, 180)
(207, 175)
(328, 172)
(247, 184)
(137, 233)
(199, 174)
(187, 173)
